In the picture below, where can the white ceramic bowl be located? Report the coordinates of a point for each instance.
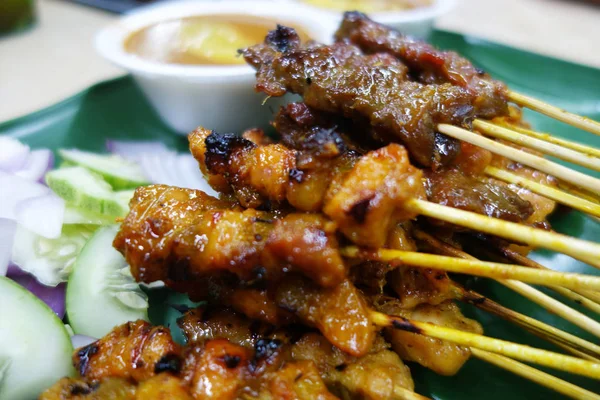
(217, 97)
(417, 22)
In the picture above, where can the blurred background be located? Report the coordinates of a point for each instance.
(49, 54)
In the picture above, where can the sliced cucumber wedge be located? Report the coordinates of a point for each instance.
(35, 347)
(116, 170)
(101, 293)
(77, 216)
(86, 190)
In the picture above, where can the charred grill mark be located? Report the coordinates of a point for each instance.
(282, 38)
(180, 270)
(264, 221)
(84, 356)
(168, 363)
(341, 367)
(474, 298)
(298, 377)
(83, 389)
(219, 147)
(231, 362)
(359, 210)
(405, 325)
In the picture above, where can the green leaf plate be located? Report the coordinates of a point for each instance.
(116, 109)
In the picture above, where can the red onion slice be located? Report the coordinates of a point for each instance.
(80, 341)
(42, 215)
(53, 296)
(13, 154)
(38, 163)
(20, 190)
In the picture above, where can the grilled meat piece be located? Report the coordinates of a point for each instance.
(84, 389)
(444, 358)
(340, 313)
(134, 350)
(368, 200)
(427, 63)
(454, 189)
(183, 236)
(339, 79)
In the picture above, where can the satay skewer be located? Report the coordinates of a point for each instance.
(551, 149)
(575, 120)
(539, 328)
(401, 393)
(535, 375)
(547, 137)
(549, 192)
(521, 352)
(573, 177)
(580, 249)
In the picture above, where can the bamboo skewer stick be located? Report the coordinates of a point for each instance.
(554, 112)
(539, 163)
(513, 350)
(537, 376)
(546, 191)
(591, 151)
(566, 340)
(576, 248)
(547, 148)
(476, 267)
(588, 299)
(401, 393)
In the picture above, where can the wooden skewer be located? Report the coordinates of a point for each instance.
(554, 112)
(577, 248)
(554, 194)
(584, 194)
(475, 267)
(588, 299)
(575, 157)
(401, 393)
(539, 328)
(513, 350)
(535, 375)
(592, 151)
(539, 163)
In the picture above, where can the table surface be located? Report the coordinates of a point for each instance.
(56, 58)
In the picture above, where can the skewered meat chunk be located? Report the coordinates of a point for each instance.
(369, 200)
(425, 61)
(83, 389)
(441, 356)
(163, 386)
(338, 79)
(299, 381)
(161, 244)
(455, 189)
(198, 149)
(135, 351)
(340, 313)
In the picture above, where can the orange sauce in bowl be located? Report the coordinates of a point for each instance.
(200, 40)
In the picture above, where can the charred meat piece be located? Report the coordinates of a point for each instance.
(339, 79)
(84, 389)
(426, 62)
(454, 189)
(340, 313)
(368, 200)
(135, 351)
(299, 381)
(442, 357)
(173, 235)
(198, 150)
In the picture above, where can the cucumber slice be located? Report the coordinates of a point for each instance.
(35, 347)
(86, 190)
(101, 293)
(116, 170)
(50, 260)
(76, 216)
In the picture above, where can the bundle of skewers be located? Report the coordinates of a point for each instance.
(325, 262)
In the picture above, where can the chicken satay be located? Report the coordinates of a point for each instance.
(444, 358)
(134, 350)
(338, 79)
(426, 62)
(84, 389)
(181, 236)
(367, 201)
(340, 313)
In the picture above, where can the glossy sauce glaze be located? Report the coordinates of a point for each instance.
(199, 40)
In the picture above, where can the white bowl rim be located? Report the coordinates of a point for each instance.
(109, 41)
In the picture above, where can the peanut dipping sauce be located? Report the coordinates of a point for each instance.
(201, 40)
